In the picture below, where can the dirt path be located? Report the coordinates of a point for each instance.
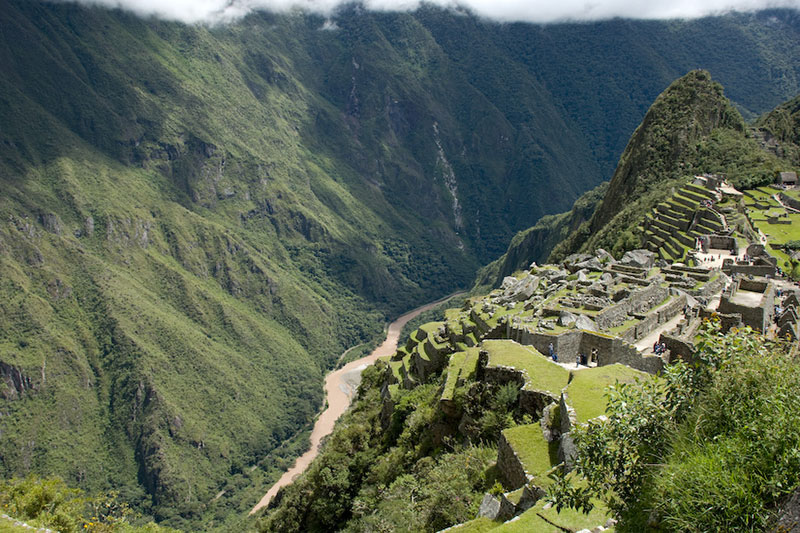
(340, 387)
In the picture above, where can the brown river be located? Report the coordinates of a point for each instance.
(340, 387)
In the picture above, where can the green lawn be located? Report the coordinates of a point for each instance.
(479, 525)
(462, 364)
(792, 193)
(587, 389)
(531, 521)
(780, 233)
(542, 373)
(536, 454)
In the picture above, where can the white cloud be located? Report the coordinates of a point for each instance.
(504, 10)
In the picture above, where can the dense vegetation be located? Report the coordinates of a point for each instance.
(49, 503)
(708, 446)
(196, 222)
(400, 479)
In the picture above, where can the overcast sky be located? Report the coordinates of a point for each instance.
(503, 10)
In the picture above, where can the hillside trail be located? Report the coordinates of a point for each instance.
(340, 388)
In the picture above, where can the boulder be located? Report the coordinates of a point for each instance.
(551, 423)
(490, 507)
(639, 258)
(567, 451)
(592, 264)
(585, 323)
(566, 319)
(508, 282)
(526, 288)
(604, 257)
(789, 514)
(573, 260)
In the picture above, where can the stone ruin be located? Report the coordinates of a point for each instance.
(588, 304)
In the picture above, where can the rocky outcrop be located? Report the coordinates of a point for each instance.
(15, 382)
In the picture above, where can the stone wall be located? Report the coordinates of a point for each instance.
(646, 325)
(727, 321)
(667, 311)
(788, 200)
(718, 242)
(644, 299)
(679, 348)
(502, 375)
(510, 466)
(710, 288)
(534, 402)
(753, 285)
(628, 355)
(757, 317)
(565, 344)
(612, 316)
(616, 350)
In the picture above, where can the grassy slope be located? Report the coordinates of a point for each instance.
(587, 388)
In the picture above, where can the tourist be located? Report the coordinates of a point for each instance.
(594, 356)
(553, 355)
(578, 360)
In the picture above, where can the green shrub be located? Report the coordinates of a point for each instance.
(711, 446)
(50, 503)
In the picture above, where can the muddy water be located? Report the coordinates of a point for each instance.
(340, 387)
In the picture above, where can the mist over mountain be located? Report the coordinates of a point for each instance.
(223, 11)
(196, 221)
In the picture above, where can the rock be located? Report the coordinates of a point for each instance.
(571, 262)
(550, 424)
(639, 258)
(531, 494)
(508, 282)
(566, 319)
(558, 275)
(567, 451)
(604, 257)
(590, 264)
(584, 322)
(51, 223)
(607, 278)
(490, 507)
(526, 288)
(582, 275)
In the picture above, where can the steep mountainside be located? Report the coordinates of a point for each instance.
(691, 128)
(196, 221)
(536, 243)
(464, 420)
(780, 130)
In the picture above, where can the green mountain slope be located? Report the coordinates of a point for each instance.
(691, 128)
(196, 221)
